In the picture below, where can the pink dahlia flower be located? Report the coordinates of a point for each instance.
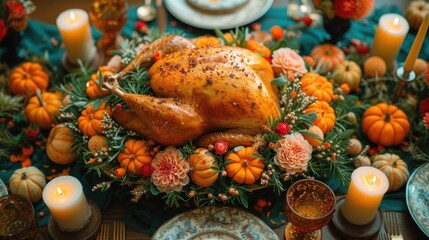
(170, 171)
(287, 61)
(293, 153)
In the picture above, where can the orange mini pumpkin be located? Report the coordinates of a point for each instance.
(243, 167)
(135, 154)
(328, 55)
(89, 121)
(325, 115)
(202, 162)
(42, 108)
(317, 86)
(59, 145)
(385, 124)
(27, 78)
(93, 89)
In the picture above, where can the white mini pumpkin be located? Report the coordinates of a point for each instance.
(28, 182)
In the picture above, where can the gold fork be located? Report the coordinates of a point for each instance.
(383, 236)
(118, 230)
(104, 232)
(391, 225)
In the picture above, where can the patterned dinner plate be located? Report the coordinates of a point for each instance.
(226, 223)
(417, 195)
(245, 14)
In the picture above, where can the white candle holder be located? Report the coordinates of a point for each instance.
(93, 63)
(351, 231)
(85, 232)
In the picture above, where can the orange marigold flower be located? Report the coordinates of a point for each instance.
(21, 157)
(157, 55)
(293, 94)
(91, 160)
(291, 77)
(26, 163)
(13, 158)
(345, 87)
(327, 145)
(27, 150)
(277, 32)
(119, 172)
(309, 60)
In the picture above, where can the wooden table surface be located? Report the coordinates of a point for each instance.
(116, 212)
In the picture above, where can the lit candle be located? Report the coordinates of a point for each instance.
(367, 187)
(417, 45)
(390, 33)
(67, 203)
(73, 25)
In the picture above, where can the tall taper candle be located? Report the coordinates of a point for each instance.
(417, 45)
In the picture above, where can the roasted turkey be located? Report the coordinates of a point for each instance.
(204, 94)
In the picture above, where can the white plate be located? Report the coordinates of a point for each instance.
(249, 12)
(215, 223)
(217, 5)
(417, 195)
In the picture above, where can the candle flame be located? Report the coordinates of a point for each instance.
(373, 180)
(72, 16)
(396, 22)
(59, 192)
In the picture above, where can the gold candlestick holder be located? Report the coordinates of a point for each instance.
(351, 231)
(96, 61)
(403, 78)
(86, 232)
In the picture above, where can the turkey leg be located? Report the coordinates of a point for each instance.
(166, 121)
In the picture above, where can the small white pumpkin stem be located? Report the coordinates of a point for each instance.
(24, 175)
(39, 97)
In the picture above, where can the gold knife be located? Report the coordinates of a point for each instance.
(161, 17)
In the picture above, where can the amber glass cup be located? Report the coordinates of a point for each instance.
(17, 218)
(108, 16)
(310, 205)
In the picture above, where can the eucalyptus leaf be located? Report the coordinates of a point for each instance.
(238, 148)
(97, 103)
(154, 190)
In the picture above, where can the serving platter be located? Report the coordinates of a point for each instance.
(214, 222)
(417, 196)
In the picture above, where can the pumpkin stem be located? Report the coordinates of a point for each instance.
(387, 117)
(244, 163)
(24, 175)
(132, 156)
(347, 67)
(39, 97)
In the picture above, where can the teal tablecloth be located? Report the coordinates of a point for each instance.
(37, 40)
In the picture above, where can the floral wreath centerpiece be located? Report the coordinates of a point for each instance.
(307, 137)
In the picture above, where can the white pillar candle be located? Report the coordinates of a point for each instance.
(66, 201)
(391, 31)
(367, 188)
(75, 31)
